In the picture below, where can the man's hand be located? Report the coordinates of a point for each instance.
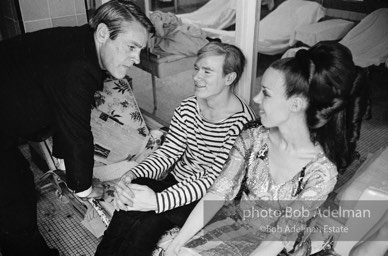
(144, 198)
(134, 197)
(97, 192)
(127, 178)
(123, 195)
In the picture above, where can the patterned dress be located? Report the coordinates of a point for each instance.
(258, 208)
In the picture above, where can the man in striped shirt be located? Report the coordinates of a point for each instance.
(202, 132)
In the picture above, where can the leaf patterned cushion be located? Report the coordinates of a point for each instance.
(118, 126)
(117, 100)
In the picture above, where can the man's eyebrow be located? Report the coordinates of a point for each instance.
(207, 68)
(265, 88)
(203, 67)
(137, 44)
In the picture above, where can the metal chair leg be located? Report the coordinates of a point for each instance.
(56, 182)
(154, 94)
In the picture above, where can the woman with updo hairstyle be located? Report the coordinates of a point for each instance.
(283, 164)
(334, 87)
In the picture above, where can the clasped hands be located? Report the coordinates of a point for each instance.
(133, 197)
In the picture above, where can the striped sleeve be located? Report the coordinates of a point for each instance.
(166, 155)
(193, 186)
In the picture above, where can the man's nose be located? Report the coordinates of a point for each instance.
(135, 57)
(197, 75)
(257, 99)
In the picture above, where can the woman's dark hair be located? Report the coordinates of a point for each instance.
(336, 92)
(234, 58)
(115, 12)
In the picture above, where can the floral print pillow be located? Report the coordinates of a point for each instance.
(117, 100)
(118, 127)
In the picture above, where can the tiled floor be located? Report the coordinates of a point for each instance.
(60, 224)
(59, 219)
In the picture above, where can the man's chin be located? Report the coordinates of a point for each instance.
(118, 75)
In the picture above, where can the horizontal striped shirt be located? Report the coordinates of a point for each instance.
(197, 147)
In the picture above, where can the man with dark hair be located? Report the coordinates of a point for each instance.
(48, 79)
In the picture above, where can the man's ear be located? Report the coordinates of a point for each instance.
(102, 33)
(230, 78)
(298, 104)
